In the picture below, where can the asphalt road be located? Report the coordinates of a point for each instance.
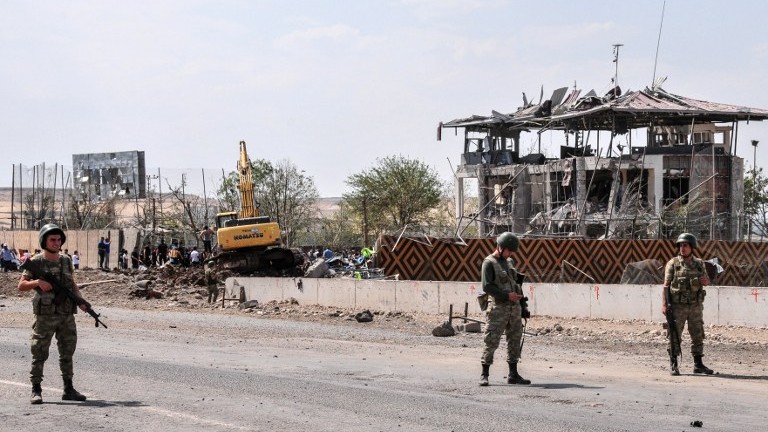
(182, 371)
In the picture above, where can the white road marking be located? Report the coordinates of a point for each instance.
(156, 410)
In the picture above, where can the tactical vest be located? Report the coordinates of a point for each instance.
(210, 278)
(502, 278)
(48, 303)
(685, 286)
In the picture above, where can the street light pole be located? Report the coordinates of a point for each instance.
(754, 183)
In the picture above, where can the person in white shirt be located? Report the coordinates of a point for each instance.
(194, 257)
(76, 260)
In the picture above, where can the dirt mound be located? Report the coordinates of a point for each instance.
(118, 287)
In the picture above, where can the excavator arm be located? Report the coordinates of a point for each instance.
(248, 242)
(248, 206)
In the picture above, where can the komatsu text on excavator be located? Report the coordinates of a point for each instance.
(247, 241)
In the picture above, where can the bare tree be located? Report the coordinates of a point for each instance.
(288, 196)
(188, 215)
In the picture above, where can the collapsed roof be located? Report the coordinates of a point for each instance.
(615, 112)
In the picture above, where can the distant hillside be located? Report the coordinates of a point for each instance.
(325, 206)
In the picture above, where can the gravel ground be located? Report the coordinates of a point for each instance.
(177, 363)
(182, 291)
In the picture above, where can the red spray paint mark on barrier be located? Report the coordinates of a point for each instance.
(472, 289)
(755, 293)
(530, 293)
(597, 292)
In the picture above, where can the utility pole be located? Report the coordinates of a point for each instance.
(754, 184)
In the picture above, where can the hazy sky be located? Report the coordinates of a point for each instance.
(334, 85)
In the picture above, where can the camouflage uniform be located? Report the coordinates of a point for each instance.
(687, 297)
(212, 284)
(502, 316)
(53, 316)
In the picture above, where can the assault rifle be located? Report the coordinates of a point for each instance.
(674, 338)
(522, 339)
(61, 292)
(525, 313)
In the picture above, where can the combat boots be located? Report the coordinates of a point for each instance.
(698, 366)
(70, 393)
(37, 394)
(514, 377)
(674, 370)
(484, 376)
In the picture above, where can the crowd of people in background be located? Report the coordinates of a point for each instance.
(177, 254)
(162, 254)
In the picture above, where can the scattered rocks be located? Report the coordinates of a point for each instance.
(250, 304)
(444, 330)
(181, 288)
(364, 316)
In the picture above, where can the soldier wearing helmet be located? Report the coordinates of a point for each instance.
(685, 277)
(211, 282)
(53, 315)
(504, 312)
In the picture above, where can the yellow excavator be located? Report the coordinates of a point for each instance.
(247, 241)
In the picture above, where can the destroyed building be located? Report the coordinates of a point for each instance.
(684, 175)
(100, 176)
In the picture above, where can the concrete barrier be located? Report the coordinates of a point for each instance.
(739, 306)
(417, 296)
(724, 305)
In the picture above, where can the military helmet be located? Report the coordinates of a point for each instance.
(507, 240)
(49, 229)
(686, 238)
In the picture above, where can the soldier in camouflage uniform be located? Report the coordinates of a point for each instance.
(504, 314)
(54, 315)
(685, 277)
(211, 282)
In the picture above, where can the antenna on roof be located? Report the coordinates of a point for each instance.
(658, 42)
(616, 74)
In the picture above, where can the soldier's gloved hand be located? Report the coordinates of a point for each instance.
(525, 313)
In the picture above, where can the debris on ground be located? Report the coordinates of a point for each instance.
(364, 316)
(250, 304)
(444, 330)
(184, 290)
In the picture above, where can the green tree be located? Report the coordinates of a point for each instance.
(396, 192)
(755, 202)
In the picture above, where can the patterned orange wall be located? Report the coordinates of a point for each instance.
(556, 260)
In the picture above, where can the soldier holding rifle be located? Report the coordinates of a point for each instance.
(685, 277)
(505, 309)
(54, 314)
